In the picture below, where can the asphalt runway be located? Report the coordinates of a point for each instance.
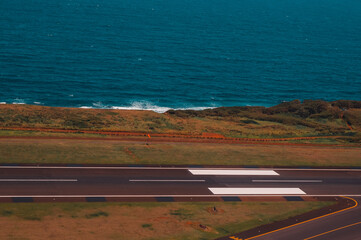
(24, 182)
(176, 182)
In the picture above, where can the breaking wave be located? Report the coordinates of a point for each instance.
(143, 105)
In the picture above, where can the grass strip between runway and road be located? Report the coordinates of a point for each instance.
(142, 221)
(66, 151)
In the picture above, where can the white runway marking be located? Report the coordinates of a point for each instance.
(288, 181)
(154, 180)
(38, 180)
(233, 172)
(257, 191)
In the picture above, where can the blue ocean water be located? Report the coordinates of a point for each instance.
(160, 54)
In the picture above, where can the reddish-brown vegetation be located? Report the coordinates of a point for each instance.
(289, 120)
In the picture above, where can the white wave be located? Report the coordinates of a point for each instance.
(2, 102)
(195, 108)
(160, 109)
(142, 105)
(18, 101)
(38, 103)
(99, 105)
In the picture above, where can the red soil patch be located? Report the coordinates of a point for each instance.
(212, 135)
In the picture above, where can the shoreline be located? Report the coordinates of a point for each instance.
(154, 108)
(311, 120)
(148, 106)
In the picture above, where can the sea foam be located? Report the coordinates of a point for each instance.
(143, 105)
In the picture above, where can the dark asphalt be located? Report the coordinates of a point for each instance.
(33, 181)
(138, 182)
(345, 225)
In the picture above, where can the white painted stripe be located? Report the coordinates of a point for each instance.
(101, 168)
(319, 169)
(170, 195)
(233, 172)
(38, 180)
(152, 180)
(288, 181)
(256, 191)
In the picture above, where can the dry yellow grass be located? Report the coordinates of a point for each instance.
(123, 221)
(244, 123)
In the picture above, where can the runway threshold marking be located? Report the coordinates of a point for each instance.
(165, 180)
(309, 220)
(233, 172)
(334, 230)
(288, 181)
(38, 180)
(257, 191)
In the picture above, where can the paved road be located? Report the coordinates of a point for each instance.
(142, 182)
(177, 182)
(345, 225)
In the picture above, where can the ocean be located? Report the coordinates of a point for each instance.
(181, 54)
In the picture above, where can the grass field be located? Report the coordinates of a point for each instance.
(115, 152)
(123, 221)
(292, 119)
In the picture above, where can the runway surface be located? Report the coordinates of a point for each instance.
(36, 181)
(23, 183)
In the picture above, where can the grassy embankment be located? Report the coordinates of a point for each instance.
(291, 119)
(127, 220)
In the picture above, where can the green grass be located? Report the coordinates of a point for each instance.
(97, 214)
(101, 152)
(146, 225)
(181, 213)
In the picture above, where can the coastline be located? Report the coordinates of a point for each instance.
(148, 106)
(295, 119)
(136, 107)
